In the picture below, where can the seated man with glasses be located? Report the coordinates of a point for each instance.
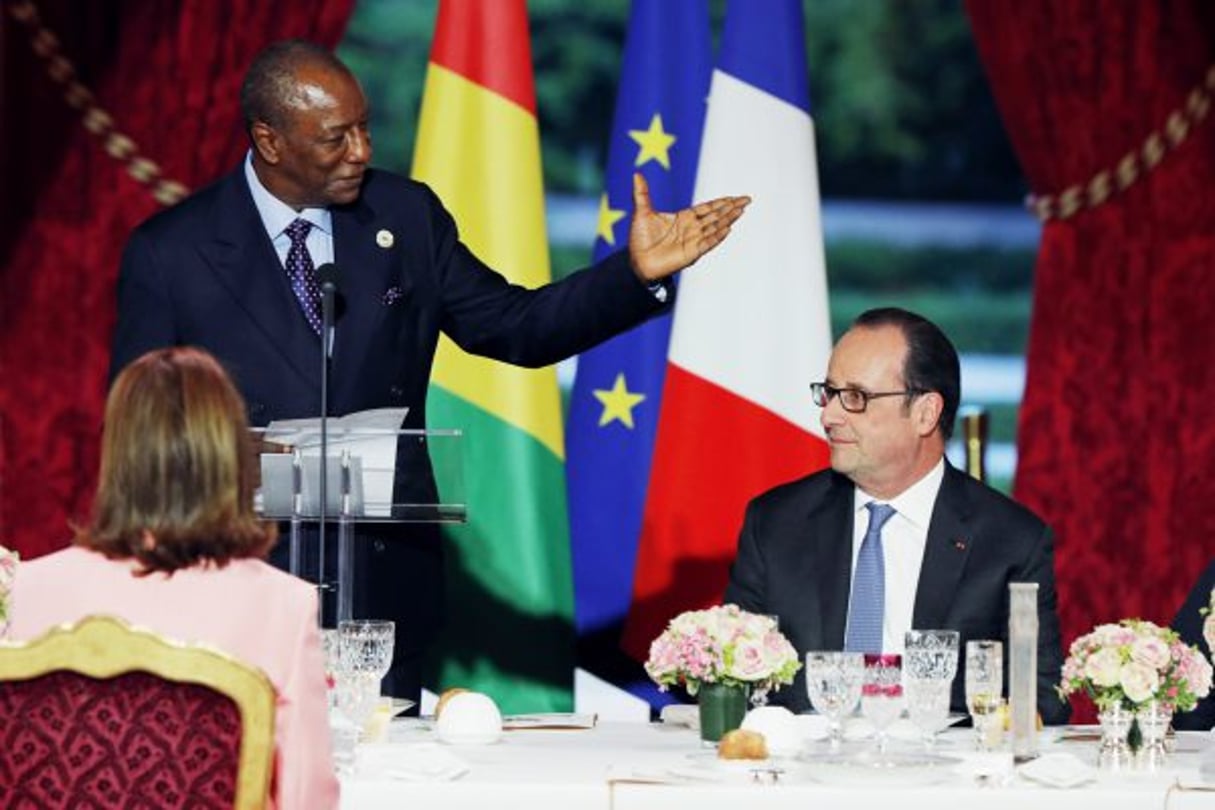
(892, 537)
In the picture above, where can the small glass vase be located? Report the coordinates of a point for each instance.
(722, 708)
(1115, 753)
(1154, 719)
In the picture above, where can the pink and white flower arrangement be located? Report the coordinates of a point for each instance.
(1134, 662)
(722, 644)
(8, 570)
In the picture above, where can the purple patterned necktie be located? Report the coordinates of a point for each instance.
(867, 607)
(302, 273)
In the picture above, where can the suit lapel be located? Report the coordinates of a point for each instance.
(834, 553)
(243, 259)
(366, 249)
(945, 553)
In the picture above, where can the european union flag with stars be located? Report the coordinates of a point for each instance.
(613, 417)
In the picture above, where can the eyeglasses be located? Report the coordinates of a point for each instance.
(853, 400)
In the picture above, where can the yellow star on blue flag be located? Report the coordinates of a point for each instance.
(655, 143)
(618, 403)
(608, 217)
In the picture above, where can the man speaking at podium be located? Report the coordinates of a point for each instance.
(233, 269)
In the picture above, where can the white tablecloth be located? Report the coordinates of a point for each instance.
(618, 766)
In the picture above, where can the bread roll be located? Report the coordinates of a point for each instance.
(742, 744)
(445, 697)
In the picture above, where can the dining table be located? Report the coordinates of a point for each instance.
(644, 766)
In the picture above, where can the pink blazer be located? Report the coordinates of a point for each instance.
(248, 609)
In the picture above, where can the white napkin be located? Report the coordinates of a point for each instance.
(1058, 770)
(412, 762)
(780, 728)
(681, 714)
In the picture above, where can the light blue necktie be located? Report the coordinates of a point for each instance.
(867, 607)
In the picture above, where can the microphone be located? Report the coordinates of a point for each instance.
(328, 275)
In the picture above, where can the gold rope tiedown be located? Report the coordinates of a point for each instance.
(96, 120)
(1134, 164)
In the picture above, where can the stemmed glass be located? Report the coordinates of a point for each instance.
(329, 649)
(882, 694)
(364, 658)
(930, 661)
(759, 696)
(985, 689)
(833, 681)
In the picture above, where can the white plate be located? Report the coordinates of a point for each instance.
(709, 759)
(1058, 771)
(871, 769)
(707, 765)
(814, 727)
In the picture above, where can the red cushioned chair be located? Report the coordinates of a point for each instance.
(98, 714)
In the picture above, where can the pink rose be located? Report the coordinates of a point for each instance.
(749, 662)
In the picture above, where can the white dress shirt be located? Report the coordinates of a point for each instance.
(903, 540)
(276, 215)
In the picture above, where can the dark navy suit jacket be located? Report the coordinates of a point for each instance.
(205, 273)
(1188, 623)
(795, 560)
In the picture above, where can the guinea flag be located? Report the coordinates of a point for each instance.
(509, 630)
(750, 331)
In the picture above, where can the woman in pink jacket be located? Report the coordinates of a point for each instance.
(174, 546)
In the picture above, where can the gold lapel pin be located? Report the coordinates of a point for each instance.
(384, 239)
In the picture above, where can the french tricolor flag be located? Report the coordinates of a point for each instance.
(751, 327)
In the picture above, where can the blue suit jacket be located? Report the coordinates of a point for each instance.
(795, 560)
(1188, 623)
(205, 273)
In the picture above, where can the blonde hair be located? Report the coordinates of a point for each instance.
(177, 478)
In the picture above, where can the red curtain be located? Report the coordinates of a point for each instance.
(1116, 441)
(166, 73)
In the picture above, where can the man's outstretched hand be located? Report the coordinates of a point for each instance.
(661, 244)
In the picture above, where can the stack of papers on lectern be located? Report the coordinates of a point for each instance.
(367, 438)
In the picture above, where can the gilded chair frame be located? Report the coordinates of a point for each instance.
(105, 647)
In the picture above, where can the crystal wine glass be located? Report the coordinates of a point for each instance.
(759, 694)
(882, 694)
(930, 661)
(985, 689)
(834, 681)
(364, 658)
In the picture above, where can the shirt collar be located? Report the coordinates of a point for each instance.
(914, 503)
(276, 215)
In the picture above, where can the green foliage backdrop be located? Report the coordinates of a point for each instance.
(901, 105)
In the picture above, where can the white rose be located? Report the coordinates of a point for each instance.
(1139, 682)
(1103, 668)
(1151, 651)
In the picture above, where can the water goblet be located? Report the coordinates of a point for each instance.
(364, 658)
(984, 690)
(834, 681)
(882, 694)
(759, 694)
(930, 661)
